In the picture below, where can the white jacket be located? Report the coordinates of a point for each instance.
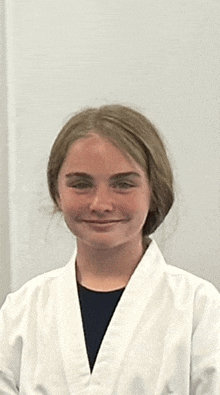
(163, 338)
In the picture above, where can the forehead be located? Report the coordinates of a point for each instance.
(95, 154)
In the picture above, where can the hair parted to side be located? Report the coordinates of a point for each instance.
(132, 133)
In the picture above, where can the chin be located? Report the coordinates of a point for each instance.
(98, 243)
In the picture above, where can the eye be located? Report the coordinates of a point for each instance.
(124, 185)
(81, 185)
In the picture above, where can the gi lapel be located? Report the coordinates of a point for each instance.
(70, 328)
(115, 344)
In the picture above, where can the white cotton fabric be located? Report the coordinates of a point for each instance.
(163, 338)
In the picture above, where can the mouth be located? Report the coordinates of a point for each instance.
(102, 222)
(102, 226)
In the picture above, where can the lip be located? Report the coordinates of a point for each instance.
(102, 222)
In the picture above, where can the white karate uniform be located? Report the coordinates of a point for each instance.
(163, 338)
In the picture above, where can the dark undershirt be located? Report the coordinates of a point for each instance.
(97, 309)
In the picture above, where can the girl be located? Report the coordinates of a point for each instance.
(116, 320)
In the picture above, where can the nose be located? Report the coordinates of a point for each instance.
(101, 201)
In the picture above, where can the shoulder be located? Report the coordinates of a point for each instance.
(190, 282)
(34, 293)
(205, 298)
(196, 300)
(185, 286)
(183, 277)
(23, 312)
(180, 277)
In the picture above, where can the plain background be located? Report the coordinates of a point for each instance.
(160, 57)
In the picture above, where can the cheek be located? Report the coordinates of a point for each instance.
(73, 207)
(135, 208)
(66, 202)
(139, 203)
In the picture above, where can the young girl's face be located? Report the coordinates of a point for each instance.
(104, 196)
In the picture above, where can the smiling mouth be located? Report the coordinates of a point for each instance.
(102, 222)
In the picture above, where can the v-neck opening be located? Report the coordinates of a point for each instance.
(80, 286)
(97, 309)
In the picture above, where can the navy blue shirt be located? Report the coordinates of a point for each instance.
(97, 309)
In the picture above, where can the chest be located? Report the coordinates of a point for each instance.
(145, 349)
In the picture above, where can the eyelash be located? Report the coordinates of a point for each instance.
(82, 185)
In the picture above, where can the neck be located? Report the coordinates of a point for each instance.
(107, 269)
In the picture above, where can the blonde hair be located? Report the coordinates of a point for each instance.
(132, 133)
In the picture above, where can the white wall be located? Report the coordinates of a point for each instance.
(160, 57)
(4, 206)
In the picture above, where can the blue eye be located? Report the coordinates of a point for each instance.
(124, 185)
(119, 185)
(81, 185)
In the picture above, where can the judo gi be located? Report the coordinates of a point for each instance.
(163, 337)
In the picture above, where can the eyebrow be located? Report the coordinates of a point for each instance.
(113, 177)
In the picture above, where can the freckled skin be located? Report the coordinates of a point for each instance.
(103, 199)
